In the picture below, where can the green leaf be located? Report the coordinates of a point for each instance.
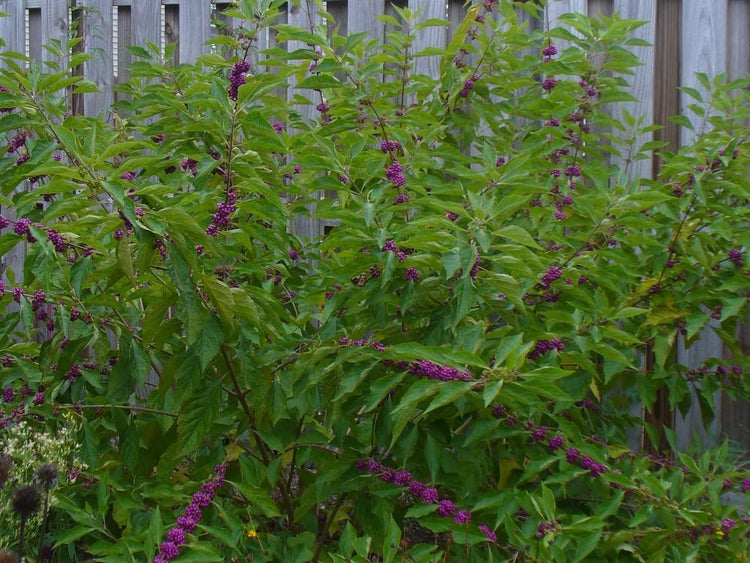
(411, 351)
(209, 342)
(392, 541)
(197, 415)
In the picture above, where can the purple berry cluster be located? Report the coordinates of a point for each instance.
(190, 166)
(549, 83)
(389, 146)
(401, 198)
(395, 173)
(475, 267)
(590, 90)
(5, 110)
(553, 273)
(411, 274)
(221, 219)
(544, 346)
(237, 77)
(574, 457)
(57, 240)
(430, 370)
(170, 547)
(548, 52)
(22, 227)
(469, 84)
(390, 246)
(18, 141)
(426, 494)
(360, 343)
(735, 257)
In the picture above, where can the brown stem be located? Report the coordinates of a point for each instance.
(132, 408)
(43, 529)
(262, 448)
(324, 533)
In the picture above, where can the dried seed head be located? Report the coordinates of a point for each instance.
(26, 501)
(46, 476)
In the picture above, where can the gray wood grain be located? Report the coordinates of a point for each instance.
(97, 33)
(305, 16)
(195, 29)
(55, 26)
(556, 8)
(123, 55)
(340, 13)
(361, 17)
(704, 32)
(145, 19)
(738, 38)
(35, 35)
(704, 49)
(13, 34)
(641, 83)
(172, 32)
(605, 7)
(12, 29)
(429, 36)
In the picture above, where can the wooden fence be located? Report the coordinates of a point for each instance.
(688, 36)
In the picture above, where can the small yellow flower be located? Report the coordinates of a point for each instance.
(720, 533)
(252, 533)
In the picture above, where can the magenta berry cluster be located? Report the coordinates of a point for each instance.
(543, 346)
(388, 146)
(186, 524)
(446, 508)
(222, 217)
(5, 110)
(553, 273)
(430, 370)
(735, 257)
(237, 77)
(468, 86)
(549, 83)
(395, 173)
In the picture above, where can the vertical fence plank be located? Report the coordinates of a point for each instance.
(456, 14)
(97, 34)
(12, 31)
(145, 26)
(124, 58)
(430, 36)
(304, 15)
(738, 38)
(195, 29)
(735, 414)
(55, 26)
(641, 87)
(704, 49)
(704, 32)
(667, 50)
(361, 17)
(641, 83)
(172, 31)
(12, 26)
(556, 8)
(339, 10)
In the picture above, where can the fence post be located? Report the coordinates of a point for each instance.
(97, 41)
(704, 32)
(195, 29)
(145, 17)
(13, 33)
(12, 26)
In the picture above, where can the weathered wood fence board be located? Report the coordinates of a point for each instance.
(689, 36)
